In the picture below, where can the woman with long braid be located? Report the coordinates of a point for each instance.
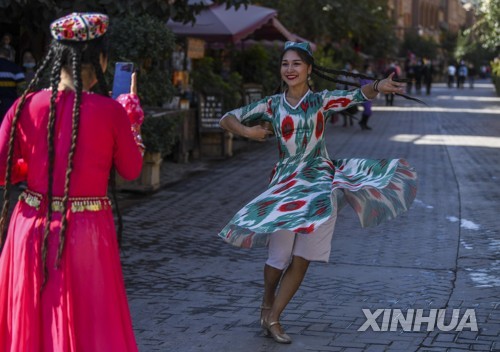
(61, 286)
(295, 216)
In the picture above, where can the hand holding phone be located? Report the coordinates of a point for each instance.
(122, 82)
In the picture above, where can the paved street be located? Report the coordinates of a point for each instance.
(189, 291)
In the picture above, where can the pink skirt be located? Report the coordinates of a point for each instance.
(83, 306)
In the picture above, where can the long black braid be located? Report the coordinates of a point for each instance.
(55, 78)
(326, 73)
(67, 56)
(6, 194)
(75, 58)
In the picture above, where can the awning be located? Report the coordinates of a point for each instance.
(218, 24)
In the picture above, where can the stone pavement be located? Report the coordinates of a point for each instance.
(189, 291)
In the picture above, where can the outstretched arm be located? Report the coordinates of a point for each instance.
(231, 124)
(385, 86)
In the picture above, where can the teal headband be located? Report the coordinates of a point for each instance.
(305, 46)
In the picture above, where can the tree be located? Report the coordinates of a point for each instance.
(481, 42)
(147, 42)
(420, 46)
(39, 13)
(363, 25)
(487, 28)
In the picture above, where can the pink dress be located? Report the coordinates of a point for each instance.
(83, 306)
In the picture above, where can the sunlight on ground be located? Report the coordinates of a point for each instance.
(449, 140)
(436, 109)
(465, 98)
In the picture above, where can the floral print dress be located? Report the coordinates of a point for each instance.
(299, 195)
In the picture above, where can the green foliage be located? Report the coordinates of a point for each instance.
(207, 79)
(420, 46)
(364, 24)
(259, 64)
(471, 51)
(328, 57)
(495, 74)
(481, 43)
(160, 133)
(39, 13)
(486, 30)
(139, 38)
(146, 41)
(448, 42)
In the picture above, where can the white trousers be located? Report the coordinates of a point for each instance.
(315, 246)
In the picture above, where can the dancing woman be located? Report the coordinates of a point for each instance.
(295, 216)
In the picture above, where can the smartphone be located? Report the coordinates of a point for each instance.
(122, 78)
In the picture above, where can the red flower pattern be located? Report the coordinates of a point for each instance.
(320, 124)
(304, 106)
(304, 230)
(287, 128)
(337, 103)
(291, 206)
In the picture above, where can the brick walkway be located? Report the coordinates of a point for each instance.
(189, 291)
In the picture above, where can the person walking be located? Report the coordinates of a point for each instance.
(471, 72)
(427, 73)
(61, 285)
(11, 80)
(367, 105)
(462, 74)
(295, 216)
(452, 71)
(391, 70)
(350, 113)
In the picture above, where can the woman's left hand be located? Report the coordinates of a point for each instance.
(133, 84)
(388, 86)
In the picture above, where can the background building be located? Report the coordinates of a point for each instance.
(429, 17)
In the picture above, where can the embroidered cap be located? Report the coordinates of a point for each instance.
(305, 46)
(79, 26)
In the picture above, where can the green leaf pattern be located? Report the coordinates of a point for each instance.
(299, 194)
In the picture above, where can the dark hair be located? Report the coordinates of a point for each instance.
(70, 56)
(331, 75)
(324, 72)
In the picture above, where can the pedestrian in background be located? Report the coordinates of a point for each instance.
(410, 72)
(462, 74)
(11, 81)
(452, 71)
(391, 70)
(350, 113)
(427, 73)
(471, 72)
(29, 64)
(367, 105)
(61, 285)
(7, 45)
(418, 76)
(295, 216)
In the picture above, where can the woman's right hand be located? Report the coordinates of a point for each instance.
(257, 133)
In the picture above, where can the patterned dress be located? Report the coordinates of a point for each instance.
(299, 195)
